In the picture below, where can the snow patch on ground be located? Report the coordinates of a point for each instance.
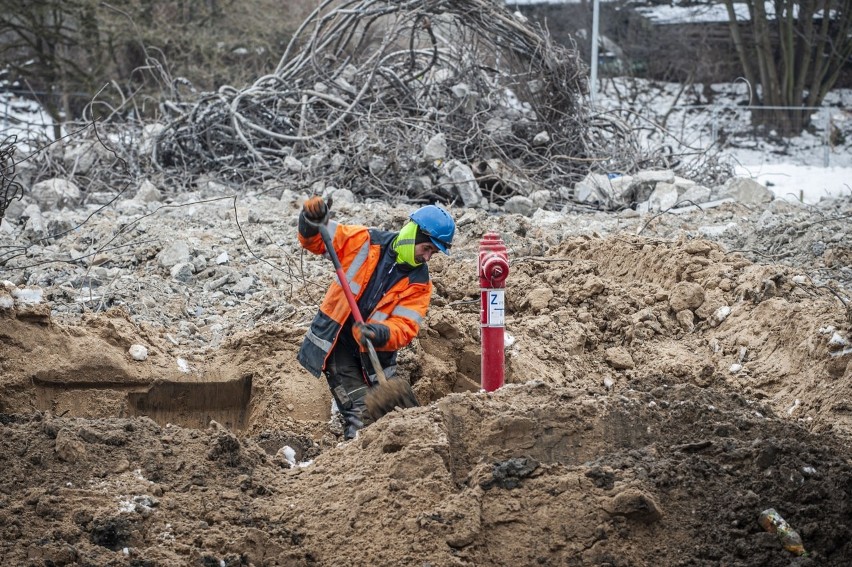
(805, 183)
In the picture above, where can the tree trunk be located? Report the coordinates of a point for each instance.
(742, 51)
(765, 56)
(803, 49)
(787, 45)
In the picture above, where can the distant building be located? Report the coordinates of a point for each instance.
(662, 42)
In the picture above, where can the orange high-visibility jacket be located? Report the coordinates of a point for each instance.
(402, 308)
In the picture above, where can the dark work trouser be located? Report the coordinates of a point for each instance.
(345, 378)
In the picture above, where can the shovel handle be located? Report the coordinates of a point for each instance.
(353, 305)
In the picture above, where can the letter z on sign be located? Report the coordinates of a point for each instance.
(496, 309)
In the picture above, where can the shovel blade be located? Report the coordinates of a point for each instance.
(389, 395)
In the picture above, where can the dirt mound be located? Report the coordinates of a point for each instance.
(660, 394)
(530, 474)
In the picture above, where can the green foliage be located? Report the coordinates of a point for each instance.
(67, 51)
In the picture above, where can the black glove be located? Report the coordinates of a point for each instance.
(315, 210)
(376, 333)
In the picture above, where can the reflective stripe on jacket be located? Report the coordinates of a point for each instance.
(402, 308)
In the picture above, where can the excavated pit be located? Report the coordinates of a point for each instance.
(195, 404)
(192, 404)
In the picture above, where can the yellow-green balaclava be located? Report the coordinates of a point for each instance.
(404, 244)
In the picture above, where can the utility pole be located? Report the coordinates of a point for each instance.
(596, 17)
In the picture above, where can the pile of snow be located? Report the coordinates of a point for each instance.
(24, 120)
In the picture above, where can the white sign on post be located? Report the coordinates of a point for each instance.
(496, 309)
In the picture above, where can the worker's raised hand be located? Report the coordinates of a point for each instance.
(315, 210)
(376, 333)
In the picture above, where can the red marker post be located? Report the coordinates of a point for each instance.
(493, 270)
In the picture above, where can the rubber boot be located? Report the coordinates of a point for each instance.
(346, 381)
(352, 407)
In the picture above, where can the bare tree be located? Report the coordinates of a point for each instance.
(794, 50)
(54, 47)
(65, 51)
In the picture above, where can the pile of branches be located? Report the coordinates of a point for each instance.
(365, 84)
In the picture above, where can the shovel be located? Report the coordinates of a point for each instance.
(387, 394)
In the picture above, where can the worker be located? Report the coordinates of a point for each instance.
(389, 278)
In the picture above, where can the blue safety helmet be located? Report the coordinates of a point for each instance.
(437, 224)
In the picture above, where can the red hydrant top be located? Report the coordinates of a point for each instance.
(493, 262)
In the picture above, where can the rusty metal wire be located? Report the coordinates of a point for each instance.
(9, 188)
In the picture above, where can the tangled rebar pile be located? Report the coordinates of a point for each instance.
(364, 85)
